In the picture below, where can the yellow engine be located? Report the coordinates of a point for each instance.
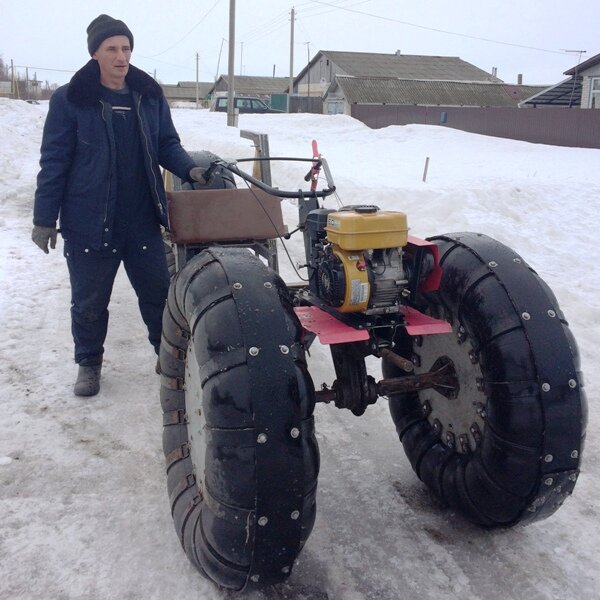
(358, 266)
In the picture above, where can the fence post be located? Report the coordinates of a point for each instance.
(426, 169)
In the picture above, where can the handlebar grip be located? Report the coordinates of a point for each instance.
(316, 166)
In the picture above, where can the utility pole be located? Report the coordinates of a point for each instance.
(231, 117)
(291, 87)
(12, 78)
(197, 85)
(241, 57)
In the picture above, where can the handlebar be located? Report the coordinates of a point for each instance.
(233, 168)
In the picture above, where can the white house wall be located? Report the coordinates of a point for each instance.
(586, 84)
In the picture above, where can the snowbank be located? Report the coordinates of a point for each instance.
(83, 504)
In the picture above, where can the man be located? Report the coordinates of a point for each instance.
(105, 135)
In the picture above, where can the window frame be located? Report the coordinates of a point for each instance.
(594, 101)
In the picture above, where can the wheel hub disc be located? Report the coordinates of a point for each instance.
(195, 415)
(459, 420)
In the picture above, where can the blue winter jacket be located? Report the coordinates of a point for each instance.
(77, 180)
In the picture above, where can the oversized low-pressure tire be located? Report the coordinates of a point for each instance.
(241, 455)
(506, 448)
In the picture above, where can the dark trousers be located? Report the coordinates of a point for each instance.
(92, 274)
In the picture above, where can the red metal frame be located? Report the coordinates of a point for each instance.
(432, 282)
(328, 329)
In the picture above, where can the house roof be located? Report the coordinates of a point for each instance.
(252, 86)
(404, 66)
(185, 91)
(384, 90)
(586, 64)
(565, 93)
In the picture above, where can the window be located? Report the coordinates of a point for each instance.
(259, 105)
(335, 106)
(595, 92)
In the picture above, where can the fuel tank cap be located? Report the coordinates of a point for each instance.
(361, 208)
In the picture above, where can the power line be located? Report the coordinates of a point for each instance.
(265, 29)
(188, 33)
(43, 69)
(464, 35)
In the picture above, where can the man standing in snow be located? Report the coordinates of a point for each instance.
(105, 135)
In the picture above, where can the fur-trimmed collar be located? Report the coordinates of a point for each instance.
(85, 89)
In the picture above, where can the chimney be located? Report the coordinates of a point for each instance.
(398, 52)
(494, 71)
(520, 79)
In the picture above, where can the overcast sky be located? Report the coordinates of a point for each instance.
(516, 36)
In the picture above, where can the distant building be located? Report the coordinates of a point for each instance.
(345, 91)
(326, 65)
(580, 90)
(185, 91)
(247, 85)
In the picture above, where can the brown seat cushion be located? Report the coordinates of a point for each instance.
(197, 216)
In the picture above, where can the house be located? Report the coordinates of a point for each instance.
(346, 91)
(581, 89)
(247, 85)
(185, 91)
(326, 65)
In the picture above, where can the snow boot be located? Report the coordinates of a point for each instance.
(88, 380)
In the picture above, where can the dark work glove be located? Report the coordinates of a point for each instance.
(42, 235)
(199, 174)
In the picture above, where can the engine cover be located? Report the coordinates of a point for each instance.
(368, 281)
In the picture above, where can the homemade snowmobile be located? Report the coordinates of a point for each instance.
(479, 366)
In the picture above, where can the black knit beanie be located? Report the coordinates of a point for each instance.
(103, 27)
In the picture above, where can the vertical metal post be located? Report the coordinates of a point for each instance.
(426, 169)
(231, 120)
(291, 86)
(197, 82)
(261, 145)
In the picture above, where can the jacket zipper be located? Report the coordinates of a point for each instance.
(156, 194)
(109, 172)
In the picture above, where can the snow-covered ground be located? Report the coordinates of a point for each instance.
(83, 505)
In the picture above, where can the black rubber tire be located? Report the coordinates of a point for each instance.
(518, 369)
(220, 179)
(241, 455)
(170, 256)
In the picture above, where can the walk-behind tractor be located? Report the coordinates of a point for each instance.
(479, 367)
